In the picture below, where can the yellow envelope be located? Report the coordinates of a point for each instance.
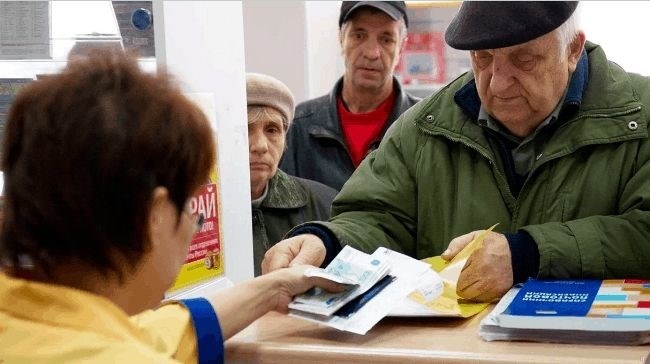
(448, 303)
(472, 246)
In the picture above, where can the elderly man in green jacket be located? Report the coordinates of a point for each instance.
(544, 136)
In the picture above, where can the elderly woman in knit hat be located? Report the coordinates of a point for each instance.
(279, 201)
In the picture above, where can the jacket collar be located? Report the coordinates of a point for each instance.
(607, 106)
(467, 97)
(331, 127)
(285, 192)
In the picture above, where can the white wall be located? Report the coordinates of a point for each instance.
(325, 63)
(621, 28)
(203, 45)
(275, 42)
(296, 42)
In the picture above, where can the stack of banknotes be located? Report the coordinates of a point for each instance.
(357, 270)
(375, 284)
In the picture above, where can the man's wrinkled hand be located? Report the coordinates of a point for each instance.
(298, 250)
(458, 243)
(487, 274)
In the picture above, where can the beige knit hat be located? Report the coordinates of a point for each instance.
(264, 90)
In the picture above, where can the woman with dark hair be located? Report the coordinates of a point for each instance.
(99, 163)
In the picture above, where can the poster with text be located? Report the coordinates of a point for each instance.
(423, 59)
(25, 30)
(9, 88)
(204, 259)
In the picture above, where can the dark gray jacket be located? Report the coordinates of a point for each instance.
(316, 147)
(290, 201)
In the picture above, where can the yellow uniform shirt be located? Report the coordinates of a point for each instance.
(55, 324)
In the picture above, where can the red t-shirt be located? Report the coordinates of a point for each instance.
(360, 130)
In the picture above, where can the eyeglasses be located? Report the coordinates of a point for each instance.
(198, 220)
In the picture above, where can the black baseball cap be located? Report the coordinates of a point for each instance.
(498, 24)
(394, 9)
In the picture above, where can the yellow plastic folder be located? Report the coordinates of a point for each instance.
(448, 303)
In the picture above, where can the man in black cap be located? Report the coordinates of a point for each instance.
(544, 136)
(332, 134)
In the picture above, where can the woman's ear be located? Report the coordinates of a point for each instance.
(159, 201)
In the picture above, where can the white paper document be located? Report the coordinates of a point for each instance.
(430, 286)
(381, 280)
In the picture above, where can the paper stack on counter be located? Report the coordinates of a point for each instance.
(387, 283)
(377, 282)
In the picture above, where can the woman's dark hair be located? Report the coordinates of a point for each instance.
(84, 150)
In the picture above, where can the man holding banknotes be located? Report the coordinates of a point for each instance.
(544, 136)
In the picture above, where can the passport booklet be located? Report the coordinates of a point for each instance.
(576, 311)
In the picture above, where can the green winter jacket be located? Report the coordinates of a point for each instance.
(586, 202)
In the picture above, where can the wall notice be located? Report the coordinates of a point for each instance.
(25, 30)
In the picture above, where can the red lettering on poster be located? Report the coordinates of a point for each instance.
(205, 240)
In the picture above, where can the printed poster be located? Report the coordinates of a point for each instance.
(9, 88)
(25, 30)
(205, 258)
(423, 59)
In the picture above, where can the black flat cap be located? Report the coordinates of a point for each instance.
(394, 9)
(498, 24)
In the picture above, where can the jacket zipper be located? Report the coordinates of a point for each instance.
(537, 166)
(341, 143)
(498, 173)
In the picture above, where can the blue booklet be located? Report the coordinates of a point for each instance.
(578, 311)
(558, 297)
